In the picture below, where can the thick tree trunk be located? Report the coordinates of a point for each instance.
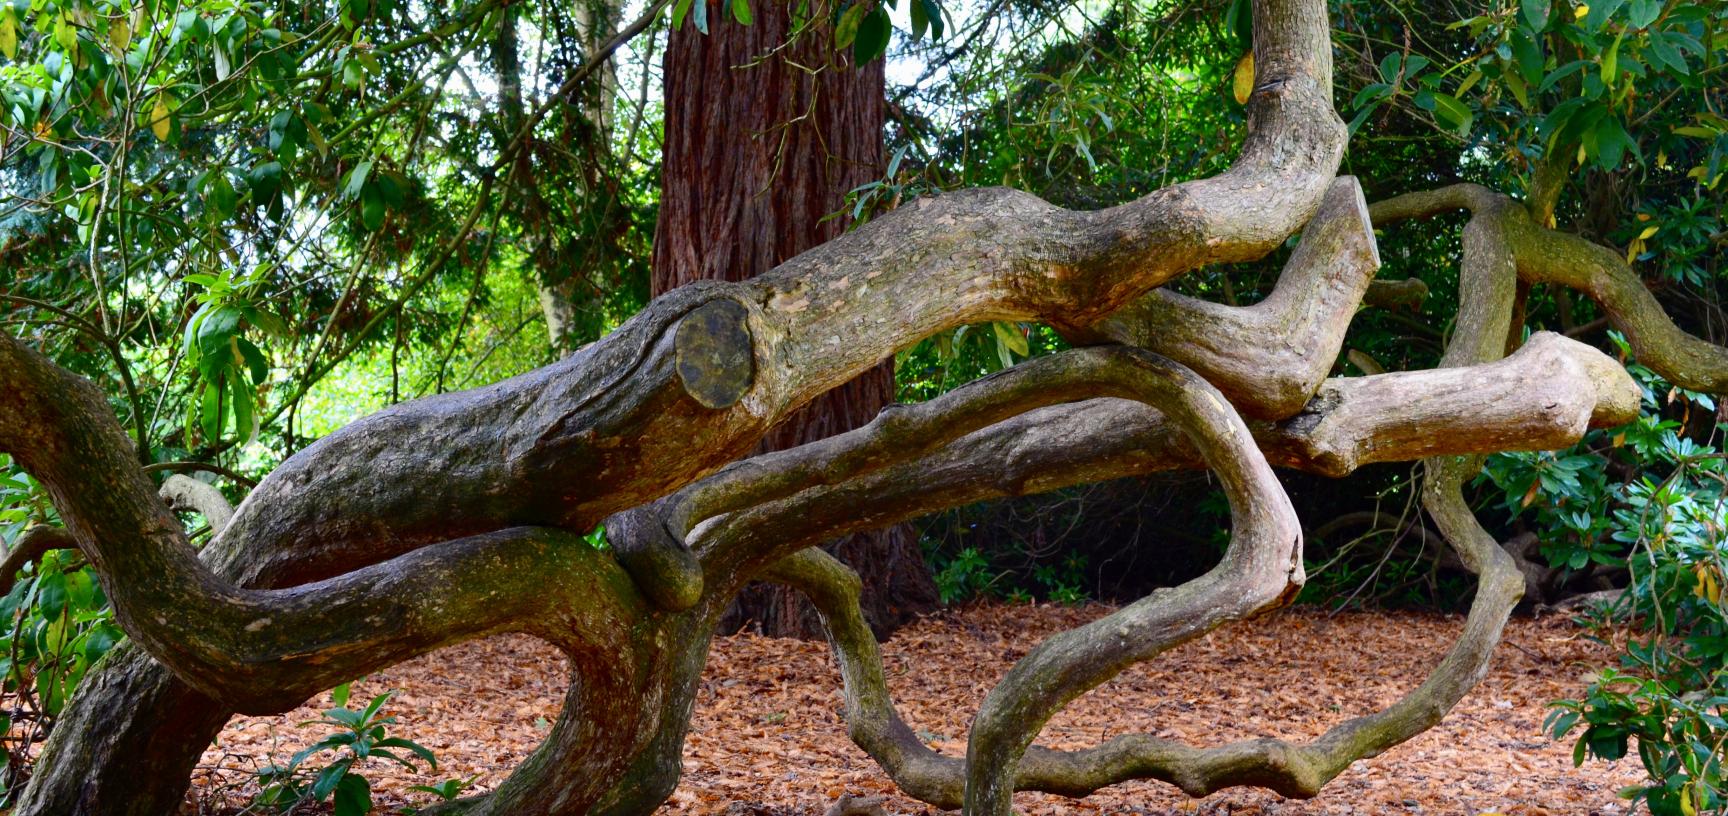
(759, 150)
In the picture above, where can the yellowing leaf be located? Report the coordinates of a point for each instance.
(1611, 61)
(1649, 231)
(1009, 335)
(1579, 12)
(1469, 82)
(159, 119)
(8, 35)
(120, 34)
(1243, 83)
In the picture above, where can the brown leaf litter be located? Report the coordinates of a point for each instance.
(768, 740)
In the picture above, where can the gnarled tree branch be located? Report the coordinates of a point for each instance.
(1542, 255)
(1269, 357)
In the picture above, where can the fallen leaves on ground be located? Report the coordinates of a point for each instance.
(767, 737)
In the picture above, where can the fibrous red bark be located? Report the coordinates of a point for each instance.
(767, 127)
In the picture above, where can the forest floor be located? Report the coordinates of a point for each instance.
(767, 739)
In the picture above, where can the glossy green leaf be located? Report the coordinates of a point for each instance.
(1600, 11)
(699, 15)
(211, 410)
(872, 39)
(357, 179)
(240, 400)
(372, 207)
(933, 10)
(1536, 13)
(353, 796)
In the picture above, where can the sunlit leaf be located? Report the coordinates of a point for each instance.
(1242, 81)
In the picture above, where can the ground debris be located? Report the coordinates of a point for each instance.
(767, 736)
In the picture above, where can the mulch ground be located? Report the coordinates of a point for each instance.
(767, 737)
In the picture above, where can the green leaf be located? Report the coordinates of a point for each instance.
(1663, 50)
(219, 196)
(1612, 143)
(268, 321)
(393, 186)
(353, 796)
(329, 778)
(1357, 120)
(679, 10)
(101, 638)
(741, 12)
(1454, 112)
(1560, 73)
(339, 694)
(210, 413)
(357, 180)
(256, 365)
(418, 750)
(242, 407)
(265, 179)
(373, 707)
(1389, 66)
(1370, 93)
(933, 10)
(1611, 61)
(1239, 20)
(920, 20)
(344, 716)
(872, 40)
(372, 207)
(217, 326)
(65, 35)
(1520, 91)
(51, 594)
(334, 741)
(1600, 11)
(1536, 13)
(1528, 51)
(1644, 12)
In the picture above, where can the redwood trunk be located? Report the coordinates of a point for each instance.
(758, 151)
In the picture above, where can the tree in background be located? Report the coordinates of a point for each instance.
(768, 126)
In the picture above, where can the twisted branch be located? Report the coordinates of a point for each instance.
(1542, 255)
